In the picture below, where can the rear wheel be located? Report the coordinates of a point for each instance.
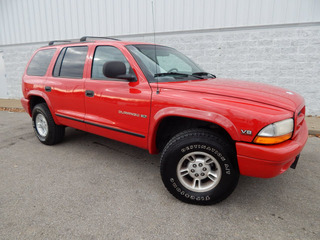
(199, 167)
(44, 126)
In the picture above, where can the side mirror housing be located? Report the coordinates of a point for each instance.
(117, 69)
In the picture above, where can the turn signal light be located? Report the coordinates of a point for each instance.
(272, 140)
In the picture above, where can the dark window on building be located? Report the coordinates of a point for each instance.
(70, 62)
(40, 62)
(105, 54)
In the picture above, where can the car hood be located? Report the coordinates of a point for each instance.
(257, 92)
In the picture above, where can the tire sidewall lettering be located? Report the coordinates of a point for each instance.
(211, 150)
(187, 194)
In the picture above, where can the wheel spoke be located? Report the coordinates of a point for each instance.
(212, 175)
(191, 158)
(208, 160)
(184, 172)
(196, 183)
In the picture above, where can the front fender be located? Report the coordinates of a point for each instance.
(212, 117)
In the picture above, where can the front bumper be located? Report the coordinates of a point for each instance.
(269, 161)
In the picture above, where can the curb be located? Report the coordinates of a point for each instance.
(11, 109)
(314, 132)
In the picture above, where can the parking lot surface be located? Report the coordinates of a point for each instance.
(89, 187)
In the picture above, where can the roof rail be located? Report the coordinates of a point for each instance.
(53, 42)
(84, 38)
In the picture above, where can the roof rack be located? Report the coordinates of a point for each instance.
(53, 42)
(83, 39)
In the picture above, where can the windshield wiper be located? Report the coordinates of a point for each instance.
(170, 73)
(177, 74)
(203, 73)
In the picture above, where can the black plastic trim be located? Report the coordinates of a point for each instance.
(89, 93)
(70, 118)
(84, 38)
(47, 88)
(59, 41)
(294, 164)
(102, 126)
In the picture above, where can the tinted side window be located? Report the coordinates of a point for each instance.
(70, 62)
(40, 62)
(105, 54)
(57, 66)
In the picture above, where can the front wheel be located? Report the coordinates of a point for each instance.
(199, 167)
(44, 126)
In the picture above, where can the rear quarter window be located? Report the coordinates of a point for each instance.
(40, 62)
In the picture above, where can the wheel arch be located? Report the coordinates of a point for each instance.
(170, 121)
(36, 97)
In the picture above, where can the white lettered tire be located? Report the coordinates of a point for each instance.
(199, 167)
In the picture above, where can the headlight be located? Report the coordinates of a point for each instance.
(275, 133)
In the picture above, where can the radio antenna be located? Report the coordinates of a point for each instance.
(155, 46)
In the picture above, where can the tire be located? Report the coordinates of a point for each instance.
(199, 167)
(44, 126)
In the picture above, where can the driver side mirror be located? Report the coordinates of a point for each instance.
(117, 69)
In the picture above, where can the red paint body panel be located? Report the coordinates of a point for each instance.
(232, 114)
(131, 112)
(269, 161)
(255, 92)
(26, 105)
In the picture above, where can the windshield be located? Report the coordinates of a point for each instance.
(164, 64)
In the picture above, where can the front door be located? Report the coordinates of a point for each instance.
(117, 108)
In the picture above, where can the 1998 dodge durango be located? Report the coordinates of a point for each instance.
(208, 130)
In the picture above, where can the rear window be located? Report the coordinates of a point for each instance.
(40, 62)
(70, 62)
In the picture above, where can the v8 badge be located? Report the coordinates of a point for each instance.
(246, 132)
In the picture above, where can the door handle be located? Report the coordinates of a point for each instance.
(47, 89)
(89, 93)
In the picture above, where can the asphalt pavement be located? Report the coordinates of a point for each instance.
(89, 187)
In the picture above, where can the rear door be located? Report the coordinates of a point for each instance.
(65, 86)
(117, 108)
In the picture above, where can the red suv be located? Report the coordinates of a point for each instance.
(208, 130)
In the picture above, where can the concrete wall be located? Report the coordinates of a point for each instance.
(283, 55)
(15, 59)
